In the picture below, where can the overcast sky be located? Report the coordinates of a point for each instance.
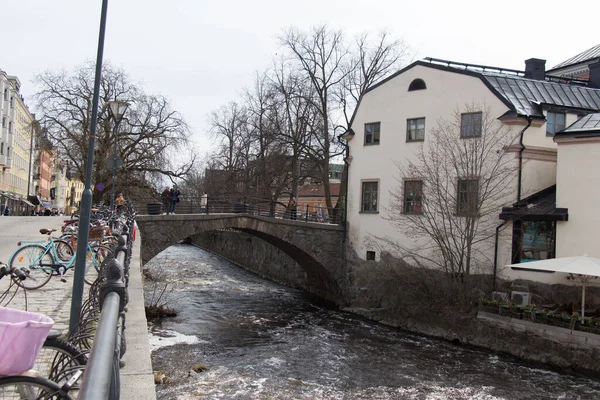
(202, 54)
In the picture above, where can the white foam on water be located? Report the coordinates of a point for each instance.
(165, 338)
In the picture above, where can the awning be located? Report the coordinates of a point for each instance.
(27, 202)
(540, 206)
(34, 200)
(9, 195)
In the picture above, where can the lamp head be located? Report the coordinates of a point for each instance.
(117, 109)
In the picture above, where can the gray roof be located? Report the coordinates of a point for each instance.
(527, 96)
(589, 124)
(589, 54)
(524, 96)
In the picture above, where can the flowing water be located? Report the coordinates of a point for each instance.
(261, 340)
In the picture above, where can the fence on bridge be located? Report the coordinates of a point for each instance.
(305, 210)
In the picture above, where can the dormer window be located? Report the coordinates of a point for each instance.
(555, 122)
(417, 84)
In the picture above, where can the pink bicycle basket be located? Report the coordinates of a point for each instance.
(22, 335)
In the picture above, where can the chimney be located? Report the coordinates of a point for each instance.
(594, 81)
(535, 69)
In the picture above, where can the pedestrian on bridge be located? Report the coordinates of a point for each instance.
(292, 207)
(204, 203)
(166, 199)
(175, 193)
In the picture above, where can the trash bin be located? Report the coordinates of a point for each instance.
(154, 208)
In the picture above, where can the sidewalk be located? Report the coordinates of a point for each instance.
(54, 300)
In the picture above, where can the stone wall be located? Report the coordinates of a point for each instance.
(256, 255)
(422, 301)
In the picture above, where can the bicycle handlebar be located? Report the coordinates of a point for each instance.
(6, 270)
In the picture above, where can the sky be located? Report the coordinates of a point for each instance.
(202, 54)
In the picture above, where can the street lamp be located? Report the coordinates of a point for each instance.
(116, 109)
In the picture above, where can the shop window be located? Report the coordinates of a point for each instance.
(537, 240)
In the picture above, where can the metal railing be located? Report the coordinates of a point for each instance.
(306, 211)
(101, 379)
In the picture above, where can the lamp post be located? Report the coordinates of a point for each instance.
(116, 109)
(86, 197)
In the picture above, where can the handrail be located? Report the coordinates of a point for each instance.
(98, 373)
(101, 379)
(307, 210)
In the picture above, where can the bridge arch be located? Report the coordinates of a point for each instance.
(317, 248)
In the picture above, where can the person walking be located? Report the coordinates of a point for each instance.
(175, 193)
(119, 202)
(292, 207)
(166, 199)
(204, 204)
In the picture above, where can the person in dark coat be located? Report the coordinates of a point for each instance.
(175, 193)
(166, 199)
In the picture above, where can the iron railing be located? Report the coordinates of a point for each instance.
(101, 379)
(307, 211)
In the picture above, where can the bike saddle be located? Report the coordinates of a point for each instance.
(45, 231)
(69, 221)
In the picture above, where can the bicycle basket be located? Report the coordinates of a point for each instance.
(96, 234)
(22, 335)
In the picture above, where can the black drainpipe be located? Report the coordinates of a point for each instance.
(519, 189)
(496, 254)
(521, 157)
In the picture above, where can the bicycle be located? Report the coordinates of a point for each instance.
(41, 261)
(57, 367)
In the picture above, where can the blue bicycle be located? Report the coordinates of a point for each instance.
(41, 260)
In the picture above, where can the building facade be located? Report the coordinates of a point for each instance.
(398, 117)
(15, 147)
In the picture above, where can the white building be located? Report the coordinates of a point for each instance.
(396, 116)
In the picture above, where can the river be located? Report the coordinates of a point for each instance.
(261, 340)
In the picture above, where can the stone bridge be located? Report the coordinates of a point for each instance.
(317, 248)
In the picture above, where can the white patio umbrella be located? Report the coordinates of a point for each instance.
(583, 268)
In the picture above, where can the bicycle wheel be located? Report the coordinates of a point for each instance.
(29, 387)
(59, 360)
(96, 254)
(35, 262)
(64, 250)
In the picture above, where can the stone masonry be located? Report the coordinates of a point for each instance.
(317, 248)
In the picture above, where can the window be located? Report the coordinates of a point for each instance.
(369, 196)
(12, 102)
(417, 84)
(470, 125)
(555, 122)
(370, 255)
(1, 148)
(4, 122)
(415, 129)
(467, 196)
(10, 127)
(372, 133)
(5, 94)
(413, 197)
(537, 240)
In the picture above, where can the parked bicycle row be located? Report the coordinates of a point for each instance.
(34, 362)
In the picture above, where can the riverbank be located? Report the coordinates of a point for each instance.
(424, 302)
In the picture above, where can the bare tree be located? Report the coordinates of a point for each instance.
(267, 168)
(448, 198)
(149, 135)
(229, 126)
(372, 61)
(322, 57)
